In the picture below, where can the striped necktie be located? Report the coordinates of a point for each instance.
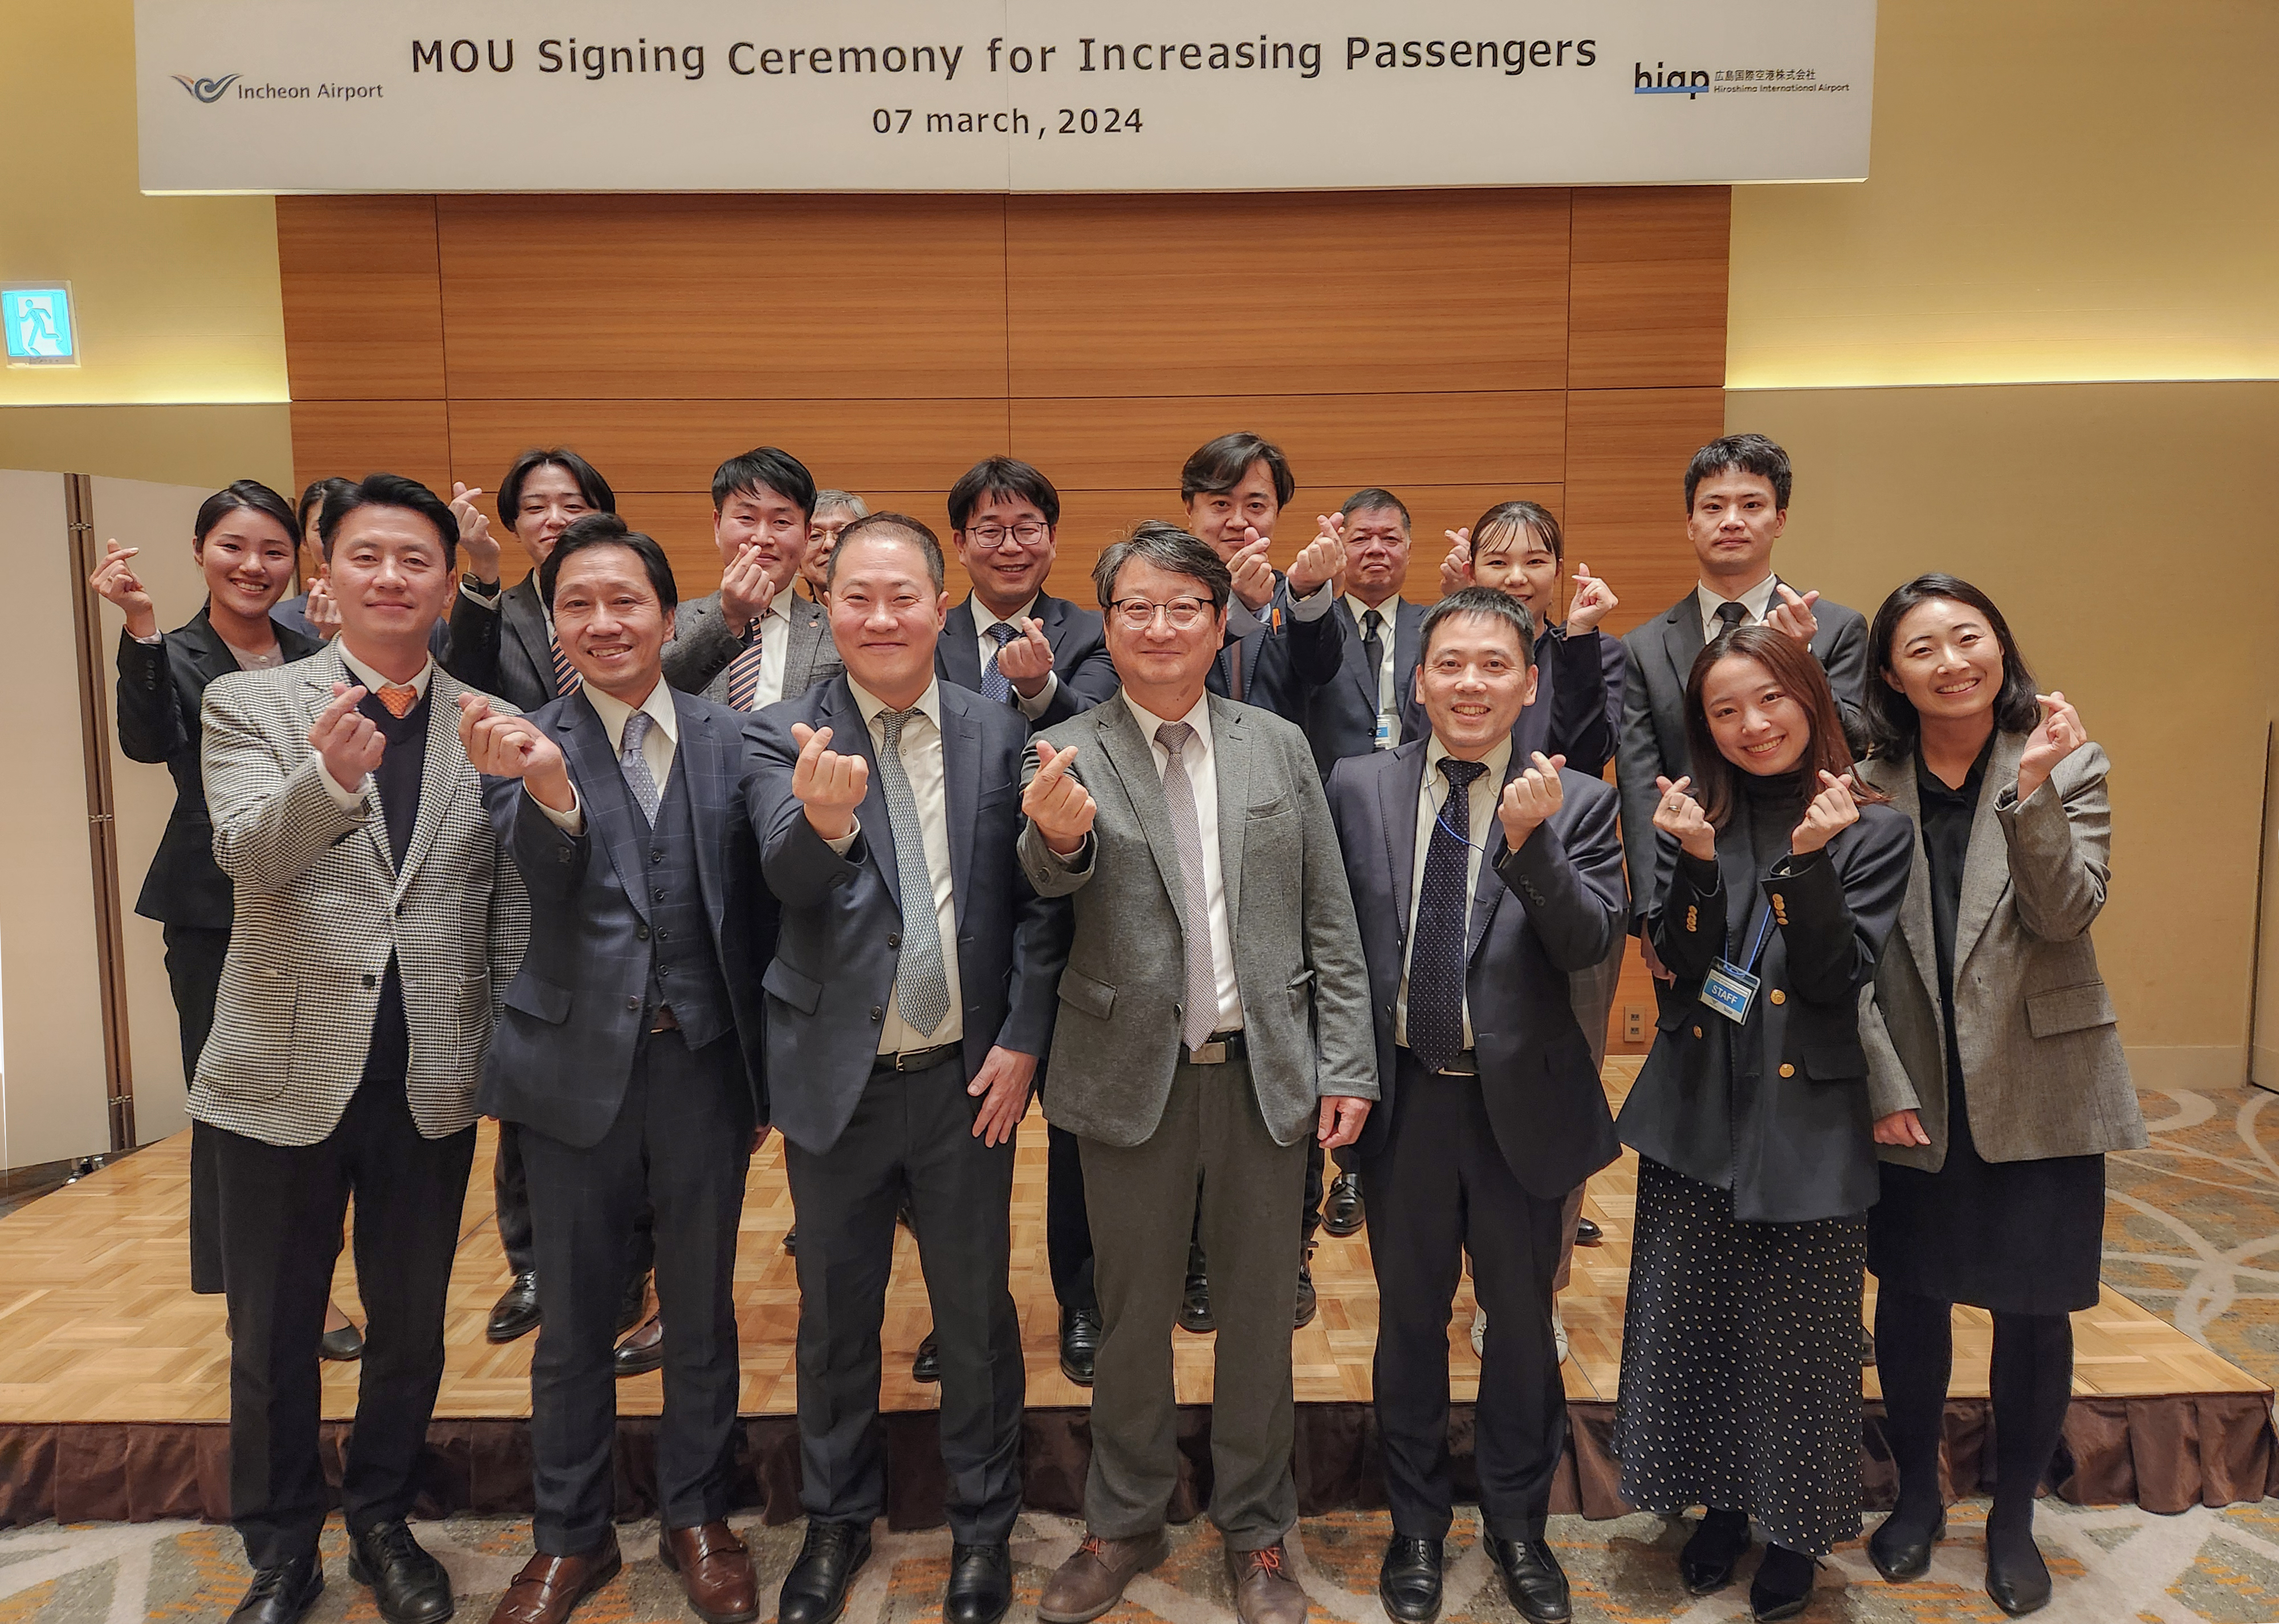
(565, 675)
(744, 672)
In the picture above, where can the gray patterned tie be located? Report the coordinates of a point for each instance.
(634, 765)
(921, 987)
(994, 684)
(1202, 1014)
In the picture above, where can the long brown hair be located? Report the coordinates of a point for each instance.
(1794, 670)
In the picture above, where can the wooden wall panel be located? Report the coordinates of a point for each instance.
(364, 306)
(355, 438)
(1302, 293)
(1647, 302)
(1626, 456)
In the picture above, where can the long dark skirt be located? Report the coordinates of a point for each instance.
(1741, 1364)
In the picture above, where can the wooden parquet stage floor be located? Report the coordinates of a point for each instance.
(97, 1322)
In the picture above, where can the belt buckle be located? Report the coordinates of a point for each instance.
(1212, 1054)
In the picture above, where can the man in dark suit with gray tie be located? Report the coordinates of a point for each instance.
(1504, 877)
(629, 1057)
(909, 998)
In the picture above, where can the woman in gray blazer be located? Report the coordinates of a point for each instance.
(1994, 1069)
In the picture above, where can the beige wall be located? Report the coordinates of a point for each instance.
(206, 446)
(2129, 532)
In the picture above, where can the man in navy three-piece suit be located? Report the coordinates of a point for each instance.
(630, 1056)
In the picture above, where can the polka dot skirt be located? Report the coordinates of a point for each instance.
(1741, 1364)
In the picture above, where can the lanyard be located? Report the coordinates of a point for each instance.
(1757, 942)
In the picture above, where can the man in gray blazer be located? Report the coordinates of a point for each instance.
(376, 919)
(755, 641)
(1213, 1021)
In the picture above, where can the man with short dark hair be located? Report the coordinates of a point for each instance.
(911, 995)
(755, 641)
(502, 640)
(376, 922)
(629, 1056)
(1505, 878)
(1213, 1021)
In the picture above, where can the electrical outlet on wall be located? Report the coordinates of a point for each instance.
(1633, 1023)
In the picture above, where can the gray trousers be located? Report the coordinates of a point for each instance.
(1210, 1155)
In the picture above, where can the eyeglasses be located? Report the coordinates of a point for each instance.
(1027, 533)
(1139, 614)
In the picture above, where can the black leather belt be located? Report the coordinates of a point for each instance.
(1464, 1064)
(1218, 1049)
(919, 1059)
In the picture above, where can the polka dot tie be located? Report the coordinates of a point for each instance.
(994, 684)
(1436, 954)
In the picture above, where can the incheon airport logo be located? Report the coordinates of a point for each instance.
(206, 89)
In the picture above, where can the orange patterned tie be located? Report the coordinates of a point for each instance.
(399, 697)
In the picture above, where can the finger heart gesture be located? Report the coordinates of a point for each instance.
(830, 785)
(1832, 811)
(1060, 806)
(1531, 799)
(1677, 815)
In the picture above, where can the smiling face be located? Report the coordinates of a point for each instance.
(886, 614)
(1377, 554)
(1220, 517)
(1759, 726)
(247, 561)
(1008, 548)
(1946, 660)
(822, 536)
(1518, 563)
(391, 578)
(548, 501)
(1473, 683)
(764, 519)
(1734, 523)
(608, 620)
(1163, 665)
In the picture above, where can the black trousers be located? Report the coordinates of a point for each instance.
(1068, 1227)
(911, 1129)
(281, 1211)
(679, 1146)
(510, 1199)
(193, 960)
(1439, 1187)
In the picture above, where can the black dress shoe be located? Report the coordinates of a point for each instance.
(1782, 1587)
(1409, 1579)
(980, 1584)
(1532, 1579)
(515, 1314)
(1719, 1541)
(1588, 1234)
(408, 1585)
(1194, 1308)
(906, 1215)
(791, 1241)
(1342, 1212)
(342, 1346)
(815, 1590)
(1080, 1330)
(281, 1594)
(1901, 1550)
(633, 1308)
(926, 1365)
(1308, 1302)
(642, 1351)
(2017, 1579)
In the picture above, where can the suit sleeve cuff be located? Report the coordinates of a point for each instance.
(347, 801)
(484, 599)
(1034, 708)
(572, 822)
(846, 843)
(1315, 604)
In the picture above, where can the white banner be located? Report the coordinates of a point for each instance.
(996, 95)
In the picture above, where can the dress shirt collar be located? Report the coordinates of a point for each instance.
(1198, 718)
(1757, 600)
(1497, 762)
(1388, 611)
(872, 706)
(373, 681)
(615, 713)
(983, 618)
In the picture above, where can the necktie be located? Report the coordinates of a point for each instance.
(399, 697)
(1372, 647)
(1436, 953)
(744, 673)
(565, 675)
(1201, 1013)
(1730, 614)
(921, 986)
(994, 684)
(634, 765)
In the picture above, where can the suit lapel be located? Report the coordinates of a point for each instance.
(602, 790)
(1398, 790)
(1353, 652)
(697, 755)
(1681, 640)
(440, 776)
(850, 732)
(1133, 759)
(208, 652)
(961, 789)
(1230, 752)
(1986, 870)
(526, 617)
(325, 668)
(957, 656)
(1915, 910)
(1487, 895)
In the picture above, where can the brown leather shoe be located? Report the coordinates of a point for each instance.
(1264, 1592)
(1091, 1581)
(642, 1351)
(548, 1586)
(715, 1569)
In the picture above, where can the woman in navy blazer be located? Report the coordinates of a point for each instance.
(1777, 878)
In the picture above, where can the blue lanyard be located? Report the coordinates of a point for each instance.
(1757, 943)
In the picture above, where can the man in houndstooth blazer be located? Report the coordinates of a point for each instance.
(376, 920)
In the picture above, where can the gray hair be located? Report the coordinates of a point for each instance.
(835, 501)
(1169, 548)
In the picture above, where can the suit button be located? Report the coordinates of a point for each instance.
(664, 936)
(1697, 1031)
(1787, 1070)
(632, 1003)
(893, 939)
(656, 856)
(641, 934)
(878, 1011)
(1779, 997)
(370, 980)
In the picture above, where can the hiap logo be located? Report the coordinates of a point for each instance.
(1662, 80)
(206, 89)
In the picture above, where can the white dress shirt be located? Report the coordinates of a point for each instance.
(1758, 599)
(373, 682)
(1201, 760)
(775, 649)
(983, 619)
(1475, 821)
(922, 763)
(657, 744)
(1388, 704)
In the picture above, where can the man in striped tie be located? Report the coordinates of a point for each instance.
(755, 641)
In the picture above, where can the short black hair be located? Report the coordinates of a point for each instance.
(1893, 727)
(766, 468)
(1749, 454)
(1003, 476)
(315, 496)
(1168, 548)
(593, 530)
(1524, 516)
(912, 530)
(1218, 466)
(591, 486)
(244, 494)
(1374, 499)
(390, 490)
(1487, 600)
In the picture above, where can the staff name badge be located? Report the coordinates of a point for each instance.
(1730, 989)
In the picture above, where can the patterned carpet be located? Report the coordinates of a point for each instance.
(2189, 1233)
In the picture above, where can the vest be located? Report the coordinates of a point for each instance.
(684, 968)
